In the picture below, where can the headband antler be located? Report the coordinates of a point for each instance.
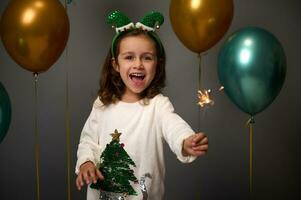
(119, 21)
(151, 21)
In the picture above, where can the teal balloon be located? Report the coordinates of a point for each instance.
(252, 68)
(5, 112)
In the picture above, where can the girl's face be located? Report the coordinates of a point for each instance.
(136, 63)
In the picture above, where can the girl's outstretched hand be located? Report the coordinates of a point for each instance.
(88, 173)
(195, 145)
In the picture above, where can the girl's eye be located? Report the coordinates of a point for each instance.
(129, 57)
(148, 57)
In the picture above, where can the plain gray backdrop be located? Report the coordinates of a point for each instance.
(222, 174)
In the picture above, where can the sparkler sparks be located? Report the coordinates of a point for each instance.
(204, 98)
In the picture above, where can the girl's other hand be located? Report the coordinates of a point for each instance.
(88, 173)
(195, 145)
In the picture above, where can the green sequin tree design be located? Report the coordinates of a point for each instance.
(115, 167)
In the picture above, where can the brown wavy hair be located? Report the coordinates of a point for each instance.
(111, 85)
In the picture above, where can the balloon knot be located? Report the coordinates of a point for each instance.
(250, 121)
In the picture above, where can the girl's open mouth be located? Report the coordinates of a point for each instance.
(137, 76)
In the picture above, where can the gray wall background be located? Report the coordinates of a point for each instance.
(222, 173)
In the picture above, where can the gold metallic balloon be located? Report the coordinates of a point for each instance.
(200, 24)
(35, 32)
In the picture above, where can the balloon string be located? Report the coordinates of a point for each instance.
(200, 84)
(37, 137)
(67, 120)
(250, 123)
(251, 157)
(68, 134)
(200, 70)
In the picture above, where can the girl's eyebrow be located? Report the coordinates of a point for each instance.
(127, 52)
(131, 52)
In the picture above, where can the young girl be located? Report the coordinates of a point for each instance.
(130, 101)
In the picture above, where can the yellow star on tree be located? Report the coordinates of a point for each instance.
(115, 135)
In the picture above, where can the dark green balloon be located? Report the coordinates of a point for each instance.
(5, 112)
(252, 68)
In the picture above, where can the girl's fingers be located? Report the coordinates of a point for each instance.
(204, 141)
(79, 181)
(201, 148)
(86, 177)
(198, 137)
(77, 184)
(193, 152)
(199, 140)
(92, 176)
(99, 174)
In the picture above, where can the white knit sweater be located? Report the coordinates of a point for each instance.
(144, 129)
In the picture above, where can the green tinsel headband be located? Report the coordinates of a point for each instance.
(121, 23)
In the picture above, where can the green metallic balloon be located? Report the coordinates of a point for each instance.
(252, 68)
(5, 112)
